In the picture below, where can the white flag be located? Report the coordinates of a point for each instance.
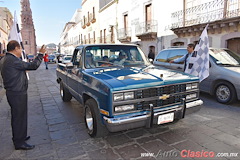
(199, 61)
(15, 34)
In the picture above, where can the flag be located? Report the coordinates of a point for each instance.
(15, 34)
(199, 61)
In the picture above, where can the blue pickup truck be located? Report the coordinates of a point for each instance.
(120, 89)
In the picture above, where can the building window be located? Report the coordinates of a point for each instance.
(26, 42)
(89, 40)
(112, 35)
(148, 18)
(88, 17)
(94, 38)
(125, 23)
(104, 36)
(100, 36)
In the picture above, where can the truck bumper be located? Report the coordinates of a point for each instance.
(135, 121)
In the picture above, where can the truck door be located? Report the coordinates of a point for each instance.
(74, 74)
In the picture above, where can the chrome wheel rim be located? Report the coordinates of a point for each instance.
(89, 119)
(223, 93)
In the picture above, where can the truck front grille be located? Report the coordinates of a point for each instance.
(157, 103)
(152, 92)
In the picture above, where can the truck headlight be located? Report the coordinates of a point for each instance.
(128, 95)
(190, 96)
(188, 86)
(118, 97)
(194, 85)
(191, 86)
(124, 108)
(123, 96)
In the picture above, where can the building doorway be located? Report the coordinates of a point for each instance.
(151, 52)
(178, 44)
(234, 45)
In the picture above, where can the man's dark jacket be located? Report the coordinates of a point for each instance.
(13, 71)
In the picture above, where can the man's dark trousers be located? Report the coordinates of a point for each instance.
(18, 104)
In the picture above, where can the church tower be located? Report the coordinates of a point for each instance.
(27, 29)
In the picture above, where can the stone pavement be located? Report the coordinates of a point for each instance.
(58, 130)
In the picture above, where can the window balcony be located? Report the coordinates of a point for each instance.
(205, 13)
(84, 26)
(220, 15)
(92, 18)
(147, 31)
(88, 24)
(124, 35)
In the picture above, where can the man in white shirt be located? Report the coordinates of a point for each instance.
(186, 57)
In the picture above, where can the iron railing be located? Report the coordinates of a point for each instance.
(124, 33)
(146, 27)
(206, 12)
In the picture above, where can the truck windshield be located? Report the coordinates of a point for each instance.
(225, 57)
(114, 55)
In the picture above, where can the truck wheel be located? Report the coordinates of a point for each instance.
(225, 93)
(65, 94)
(93, 120)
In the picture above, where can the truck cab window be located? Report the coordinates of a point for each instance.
(77, 58)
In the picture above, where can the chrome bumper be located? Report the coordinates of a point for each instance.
(140, 120)
(124, 120)
(194, 103)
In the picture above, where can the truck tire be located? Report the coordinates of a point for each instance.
(93, 120)
(225, 93)
(65, 94)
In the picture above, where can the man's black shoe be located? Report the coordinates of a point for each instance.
(25, 146)
(27, 138)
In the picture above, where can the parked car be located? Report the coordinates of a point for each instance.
(224, 73)
(126, 94)
(30, 57)
(66, 59)
(52, 58)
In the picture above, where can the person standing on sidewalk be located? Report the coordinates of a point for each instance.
(1, 57)
(45, 57)
(15, 81)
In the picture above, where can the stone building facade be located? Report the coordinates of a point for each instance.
(156, 25)
(5, 26)
(223, 17)
(27, 28)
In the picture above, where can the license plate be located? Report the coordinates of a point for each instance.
(165, 118)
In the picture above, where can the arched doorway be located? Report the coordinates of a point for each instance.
(151, 52)
(234, 44)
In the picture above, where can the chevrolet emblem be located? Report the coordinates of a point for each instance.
(164, 97)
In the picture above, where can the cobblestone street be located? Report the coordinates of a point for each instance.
(58, 131)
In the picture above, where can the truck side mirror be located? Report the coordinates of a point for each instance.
(69, 65)
(151, 60)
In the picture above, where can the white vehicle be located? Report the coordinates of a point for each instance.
(66, 59)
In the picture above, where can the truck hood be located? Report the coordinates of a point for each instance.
(140, 77)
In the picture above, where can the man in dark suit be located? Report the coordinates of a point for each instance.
(15, 81)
